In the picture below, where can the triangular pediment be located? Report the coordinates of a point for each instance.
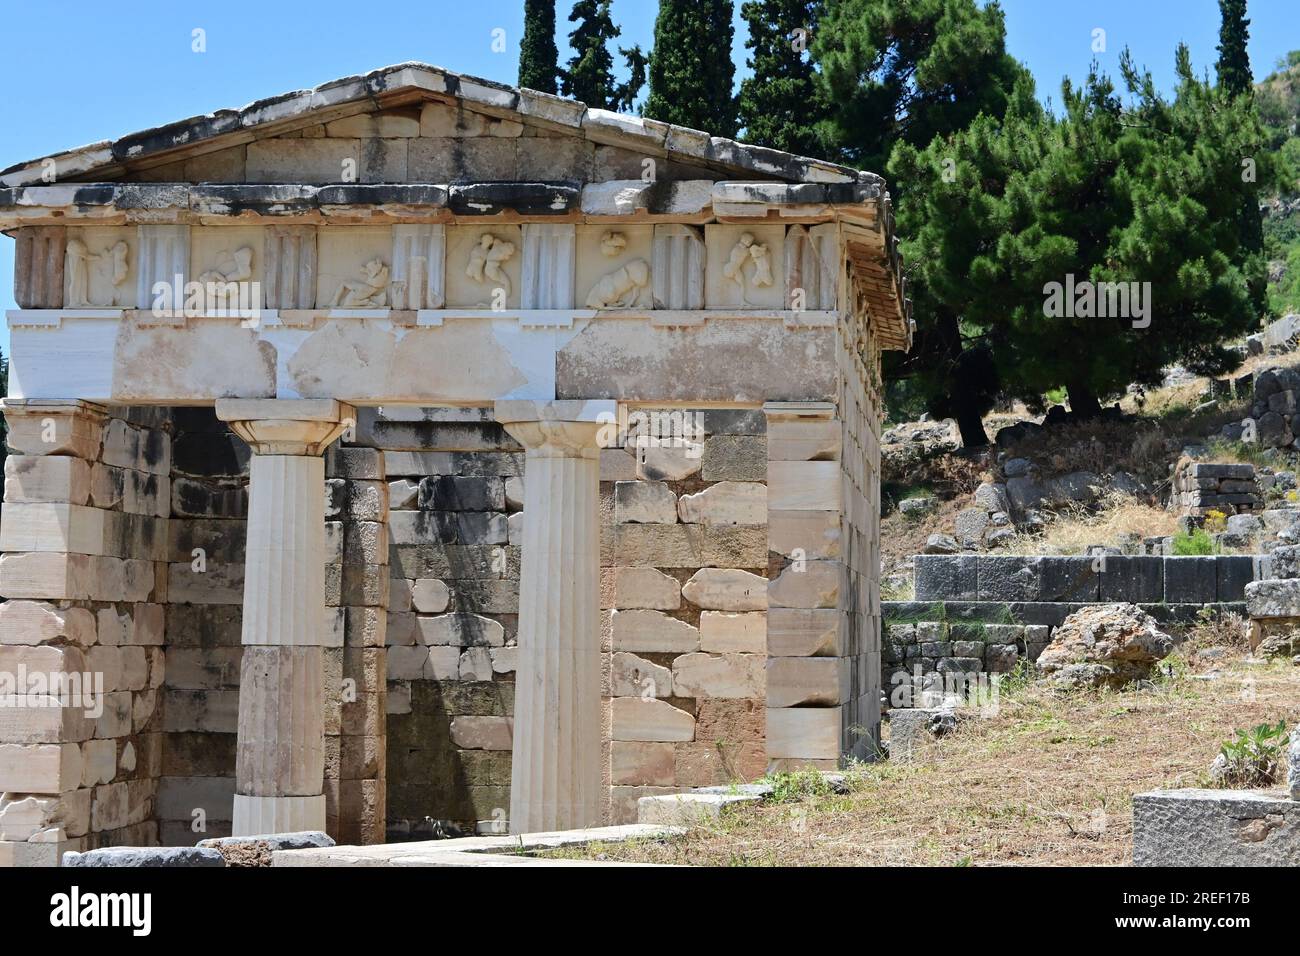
(415, 123)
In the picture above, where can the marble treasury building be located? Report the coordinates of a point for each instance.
(417, 454)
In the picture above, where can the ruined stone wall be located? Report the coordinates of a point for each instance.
(84, 534)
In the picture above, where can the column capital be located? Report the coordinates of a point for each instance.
(274, 426)
(559, 429)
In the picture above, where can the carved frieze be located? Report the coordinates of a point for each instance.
(98, 269)
(417, 267)
(548, 266)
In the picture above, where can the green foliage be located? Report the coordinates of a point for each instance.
(590, 73)
(539, 60)
(1147, 193)
(781, 106)
(1253, 757)
(795, 786)
(691, 73)
(1197, 541)
(906, 71)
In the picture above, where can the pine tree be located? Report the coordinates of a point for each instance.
(909, 71)
(781, 104)
(691, 73)
(539, 60)
(1106, 193)
(1233, 68)
(590, 74)
(901, 73)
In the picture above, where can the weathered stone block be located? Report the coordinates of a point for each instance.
(644, 502)
(633, 676)
(723, 632)
(718, 675)
(945, 577)
(726, 589)
(638, 718)
(807, 681)
(1235, 571)
(1070, 579)
(1138, 579)
(1215, 828)
(1009, 578)
(646, 588)
(726, 503)
(815, 584)
(654, 632)
(805, 632)
(734, 458)
(1191, 580)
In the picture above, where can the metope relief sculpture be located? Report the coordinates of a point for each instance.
(95, 278)
(370, 293)
(627, 286)
(229, 285)
(745, 253)
(487, 266)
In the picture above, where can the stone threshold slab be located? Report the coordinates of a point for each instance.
(474, 851)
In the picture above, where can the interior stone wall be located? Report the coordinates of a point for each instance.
(84, 535)
(209, 507)
(684, 652)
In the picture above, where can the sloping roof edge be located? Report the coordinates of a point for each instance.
(390, 85)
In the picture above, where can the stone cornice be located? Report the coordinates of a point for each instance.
(131, 203)
(411, 82)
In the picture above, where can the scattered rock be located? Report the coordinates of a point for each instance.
(1104, 645)
(915, 507)
(941, 544)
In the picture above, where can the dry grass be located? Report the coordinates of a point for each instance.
(1049, 780)
(1072, 530)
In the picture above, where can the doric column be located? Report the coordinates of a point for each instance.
(280, 758)
(555, 780)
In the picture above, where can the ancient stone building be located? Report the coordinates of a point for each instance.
(417, 451)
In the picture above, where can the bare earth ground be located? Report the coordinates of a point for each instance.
(1048, 780)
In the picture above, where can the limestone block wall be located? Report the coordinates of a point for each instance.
(209, 507)
(685, 581)
(84, 533)
(455, 488)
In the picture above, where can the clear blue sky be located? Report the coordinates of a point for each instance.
(77, 72)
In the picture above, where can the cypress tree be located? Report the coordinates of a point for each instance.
(691, 73)
(539, 60)
(781, 104)
(1233, 68)
(590, 74)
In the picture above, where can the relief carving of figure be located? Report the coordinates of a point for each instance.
(92, 276)
(221, 283)
(486, 260)
(371, 291)
(622, 288)
(742, 254)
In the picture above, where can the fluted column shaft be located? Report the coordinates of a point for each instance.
(280, 754)
(555, 781)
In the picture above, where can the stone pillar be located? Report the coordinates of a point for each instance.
(280, 758)
(555, 781)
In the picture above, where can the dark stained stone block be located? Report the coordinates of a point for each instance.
(1138, 579)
